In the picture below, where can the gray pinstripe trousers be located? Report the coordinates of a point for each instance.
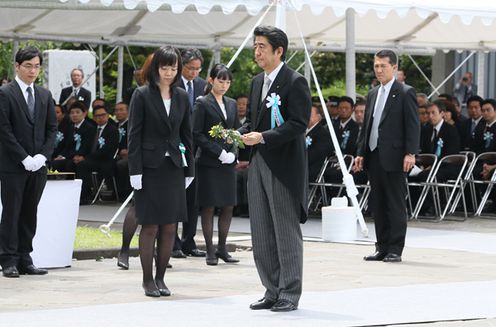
(276, 233)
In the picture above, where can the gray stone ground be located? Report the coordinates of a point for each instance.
(327, 267)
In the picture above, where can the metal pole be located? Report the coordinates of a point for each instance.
(481, 74)
(120, 72)
(15, 48)
(100, 71)
(350, 54)
(281, 15)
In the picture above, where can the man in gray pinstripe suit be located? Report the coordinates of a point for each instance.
(279, 110)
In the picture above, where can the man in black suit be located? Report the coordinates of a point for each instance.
(101, 157)
(195, 87)
(387, 149)
(76, 90)
(122, 170)
(279, 110)
(27, 136)
(78, 140)
(472, 128)
(318, 142)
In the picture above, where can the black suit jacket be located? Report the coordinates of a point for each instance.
(399, 128)
(87, 134)
(206, 114)
(319, 147)
(106, 148)
(84, 95)
(449, 136)
(347, 137)
(199, 85)
(20, 135)
(470, 140)
(284, 150)
(152, 133)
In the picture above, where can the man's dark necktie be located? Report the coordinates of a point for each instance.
(30, 102)
(191, 95)
(434, 140)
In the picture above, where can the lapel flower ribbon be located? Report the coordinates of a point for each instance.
(440, 144)
(59, 137)
(488, 137)
(308, 141)
(77, 139)
(273, 102)
(101, 142)
(345, 136)
(182, 149)
(122, 133)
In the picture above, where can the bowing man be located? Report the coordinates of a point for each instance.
(27, 135)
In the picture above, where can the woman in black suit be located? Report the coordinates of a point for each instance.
(161, 162)
(216, 162)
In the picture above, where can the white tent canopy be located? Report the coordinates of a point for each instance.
(407, 25)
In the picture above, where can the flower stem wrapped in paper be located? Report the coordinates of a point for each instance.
(230, 136)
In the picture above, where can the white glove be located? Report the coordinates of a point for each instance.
(40, 161)
(187, 181)
(135, 181)
(227, 157)
(29, 163)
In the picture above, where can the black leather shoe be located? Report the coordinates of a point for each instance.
(32, 270)
(376, 256)
(169, 266)
(123, 260)
(178, 254)
(392, 257)
(195, 253)
(283, 306)
(212, 261)
(262, 304)
(226, 257)
(10, 272)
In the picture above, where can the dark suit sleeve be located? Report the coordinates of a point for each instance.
(51, 128)
(186, 136)
(87, 98)
(453, 141)
(320, 147)
(7, 137)
(246, 127)
(298, 105)
(411, 122)
(135, 131)
(107, 151)
(203, 140)
(62, 96)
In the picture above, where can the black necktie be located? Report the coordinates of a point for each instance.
(30, 102)
(191, 95)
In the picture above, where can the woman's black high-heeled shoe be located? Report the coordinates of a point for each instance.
(211, 261)
(151, 292)
(226, 257)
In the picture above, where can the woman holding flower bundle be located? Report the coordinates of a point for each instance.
(216, 160)
(161, 162)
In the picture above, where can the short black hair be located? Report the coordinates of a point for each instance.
(475, 98)
(191, 54)
(79, 105)
(447, 96)
(219, 71)
(99, 107)
(346, 99)
(164, 56)
(241, 96)
(276, 37)
(491, 102)
(390, 54)
(28, 53)
(440, 104)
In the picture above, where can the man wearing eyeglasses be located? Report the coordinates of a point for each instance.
(195, 86)
(27, 138)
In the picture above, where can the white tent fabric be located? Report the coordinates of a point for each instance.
(406, 25)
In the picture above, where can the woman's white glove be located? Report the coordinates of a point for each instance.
(135, 181)
(227, 157)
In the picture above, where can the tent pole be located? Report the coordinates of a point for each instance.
(120, 72)
(281, 15)
(15, 48)
(100, 71)
(308, 72)
(452, 73)
(422, 73)
(481, 74)
(350, 54)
